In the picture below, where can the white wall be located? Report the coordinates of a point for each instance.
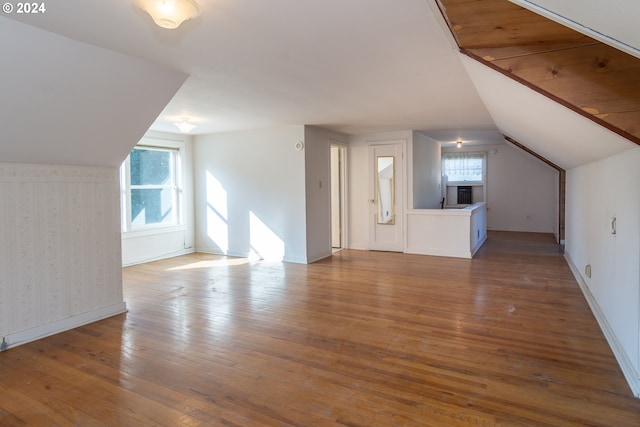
(358, 181)
(66, 103)
(521, 190)
(318, 190)
(59, 248)
(250, 194)
(595, 193)
(426, 170)
(166, 242)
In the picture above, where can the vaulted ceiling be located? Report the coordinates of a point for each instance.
(83, 81)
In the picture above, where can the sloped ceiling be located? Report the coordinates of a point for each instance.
(586, 75)
(536, 56)
(555, 132)
(354, 66)
(66, 102)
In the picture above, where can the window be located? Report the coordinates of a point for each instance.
(463, 167)
(150, 188)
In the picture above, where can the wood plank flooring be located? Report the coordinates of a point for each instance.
(360, 339)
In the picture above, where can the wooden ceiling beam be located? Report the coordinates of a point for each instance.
(583, 74)
(478, 24)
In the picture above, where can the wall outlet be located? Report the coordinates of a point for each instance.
(587, 271)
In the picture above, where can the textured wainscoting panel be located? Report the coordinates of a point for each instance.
(59, 243)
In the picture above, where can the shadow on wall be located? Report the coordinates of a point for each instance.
(244, 234)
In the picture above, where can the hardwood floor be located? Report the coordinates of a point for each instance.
(360, 339)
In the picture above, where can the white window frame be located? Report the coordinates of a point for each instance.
(481, 154)
(125, 188)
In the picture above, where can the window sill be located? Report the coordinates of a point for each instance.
(464, 183)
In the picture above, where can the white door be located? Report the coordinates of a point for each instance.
(386, 198)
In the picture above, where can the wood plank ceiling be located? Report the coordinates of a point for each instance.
(586, 75)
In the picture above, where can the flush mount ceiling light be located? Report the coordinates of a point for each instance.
(185, 126)
(169, 13)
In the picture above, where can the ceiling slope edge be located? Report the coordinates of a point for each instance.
(585, 75)
(67, 102)
(552, 130)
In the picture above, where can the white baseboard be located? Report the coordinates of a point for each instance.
(479, 245)
(628, 370)
(439, 252)
(295, 260)
(65, 324)
(216, 251)
(360, 246)
(128, 263)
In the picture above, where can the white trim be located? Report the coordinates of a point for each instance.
(372, 189)
(359, 246)
(66, 324)
(137, 261)
(439, 252)
(177, 148)
(344, 190)
(295, 260)
(316, 258)
(450, 154)
(630, 373)
(216, 251)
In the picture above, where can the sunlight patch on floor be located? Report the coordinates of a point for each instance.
(213, 263)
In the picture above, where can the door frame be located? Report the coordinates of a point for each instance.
(343, 191)
(401, 191)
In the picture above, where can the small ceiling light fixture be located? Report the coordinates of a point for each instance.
(459, 144)
(169, 13)
(185, 126)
